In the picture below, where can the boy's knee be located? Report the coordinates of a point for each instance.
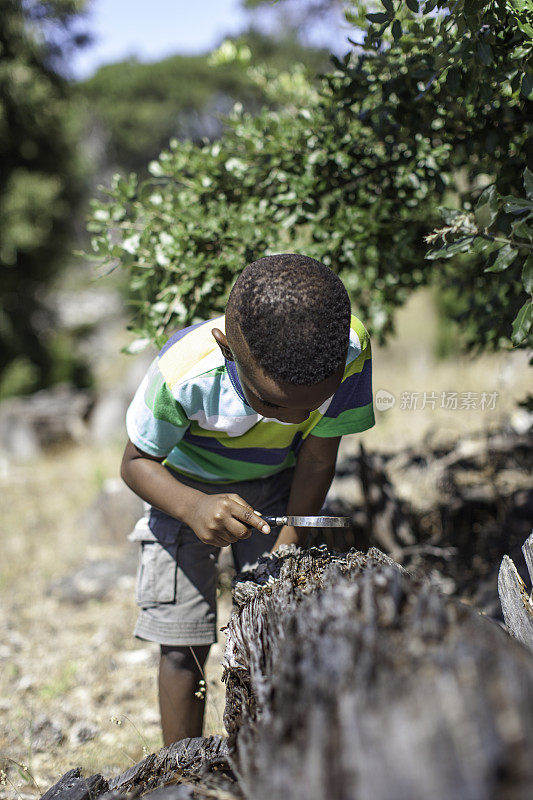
(184, 657)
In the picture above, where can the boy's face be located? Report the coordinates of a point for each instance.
(279, 400)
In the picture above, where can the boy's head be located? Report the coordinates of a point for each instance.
(287, 329)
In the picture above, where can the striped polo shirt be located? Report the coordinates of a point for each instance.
(190, 409)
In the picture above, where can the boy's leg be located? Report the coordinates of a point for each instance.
(176, 593)
(182, 713)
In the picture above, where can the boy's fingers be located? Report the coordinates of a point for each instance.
(237, 528)
(246, 514)
(223, 539)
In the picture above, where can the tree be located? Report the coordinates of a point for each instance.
(434, 107)
(301, 16)
(181, 96)
(40, 183)
(474, 64)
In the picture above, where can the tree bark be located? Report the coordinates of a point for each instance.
(347, 678)
(517, 603)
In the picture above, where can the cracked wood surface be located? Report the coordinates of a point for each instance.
(517, 603)
(347, 678)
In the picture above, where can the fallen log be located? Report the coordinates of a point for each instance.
(190, 768)
(346, 678)
(447, 509)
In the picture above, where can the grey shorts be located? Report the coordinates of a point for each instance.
(177, 575)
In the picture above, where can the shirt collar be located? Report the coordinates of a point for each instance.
(233, 375)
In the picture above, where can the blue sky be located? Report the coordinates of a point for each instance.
(153, 29)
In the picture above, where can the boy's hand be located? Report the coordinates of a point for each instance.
(221, 519)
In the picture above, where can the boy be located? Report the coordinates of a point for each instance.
(238, 413)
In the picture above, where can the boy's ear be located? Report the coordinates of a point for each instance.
(220, 339)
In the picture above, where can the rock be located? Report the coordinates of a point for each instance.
(25, 683)
(94, 580)
(44, 734)
(85, 308)
(521, 420)
(18, 439)
(133, 658)
(114, 513)
(107, 422)
(28, 424)
(108, 417)
(82, 732)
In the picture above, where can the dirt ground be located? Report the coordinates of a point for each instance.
(76, 689)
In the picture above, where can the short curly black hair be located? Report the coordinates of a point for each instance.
(294, 314)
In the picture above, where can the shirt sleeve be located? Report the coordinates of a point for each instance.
(351, 409)
(155, 421)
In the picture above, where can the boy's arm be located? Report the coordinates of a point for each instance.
(315, 468)
(218, 519)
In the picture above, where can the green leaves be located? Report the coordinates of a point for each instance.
(42, 184)
(452, 249)
(510, 252)
(527, 84)
(528, 183)
(522, 323)
(517, 205)
(487, 208)
(484, 53)
(527, 275)
(378, 17)
(506, 256)
(396, 30)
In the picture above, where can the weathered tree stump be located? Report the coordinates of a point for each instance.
(346, 678)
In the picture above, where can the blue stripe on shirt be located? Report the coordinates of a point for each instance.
(255, 455)
(354, 392)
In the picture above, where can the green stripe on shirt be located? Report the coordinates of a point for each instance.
(163, 404)
(359, 419)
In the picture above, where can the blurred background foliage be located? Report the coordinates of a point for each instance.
(141, 106)
(268, 145)
(41, 186)
(428, 109)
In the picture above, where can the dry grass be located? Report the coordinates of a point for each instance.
(72, 664)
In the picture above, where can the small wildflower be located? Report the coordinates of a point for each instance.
(3, 778)
(116, 720)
